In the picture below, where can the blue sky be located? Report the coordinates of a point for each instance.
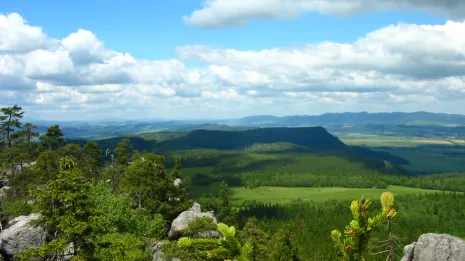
(221, 59)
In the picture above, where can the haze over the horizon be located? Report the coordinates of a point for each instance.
(217, 59)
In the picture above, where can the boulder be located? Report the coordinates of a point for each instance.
(177, 182)
(435, 247)
(21, 235)
(185, 218)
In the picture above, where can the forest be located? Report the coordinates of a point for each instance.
(116, 199)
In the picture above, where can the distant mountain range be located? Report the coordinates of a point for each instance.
(93, 130)
(414, 118)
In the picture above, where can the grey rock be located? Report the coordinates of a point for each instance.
(21, 235)
(408, 252)
(435, 247)
(185, 218)
(3, 193)
(177, 182)
(207, 234)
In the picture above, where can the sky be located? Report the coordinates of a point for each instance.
(212, 59)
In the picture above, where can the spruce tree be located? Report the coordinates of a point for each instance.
(68, 214)
(256, 238)
(284, 245)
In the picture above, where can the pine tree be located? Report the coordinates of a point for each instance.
(28, 130)
(10, 121)
(53, 137)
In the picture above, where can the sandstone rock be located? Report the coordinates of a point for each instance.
(21, 235)
(185, 218)
(435, 247)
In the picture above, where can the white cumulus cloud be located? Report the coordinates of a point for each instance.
(402, 67)
(227, 13)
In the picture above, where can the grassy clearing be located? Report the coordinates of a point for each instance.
(286, 195)
(160, 136)
(371, 140)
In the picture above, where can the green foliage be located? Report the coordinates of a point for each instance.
(121, 247)
(120, 217)
(52, 139)
(226, 248)
(152, 187)
(123, 152)
(257, 239)
(200, 224)
(418, 214)
(10, 121)
(285, 247)
(68, 212)
(354, 245)
(93, 159)
(225, 213)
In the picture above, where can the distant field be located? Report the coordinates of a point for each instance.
(160, 136)
(286, 195)
(388, 141)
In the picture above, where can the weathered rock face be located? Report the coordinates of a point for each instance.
(21, 235)
(186, 217)
(435, 247)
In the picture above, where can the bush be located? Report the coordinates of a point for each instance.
(200, 224)
(381, 185)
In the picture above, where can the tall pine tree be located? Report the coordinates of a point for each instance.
(10, 121)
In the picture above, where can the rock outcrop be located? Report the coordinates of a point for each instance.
(21, 235)
(180, 223)
(435, 247)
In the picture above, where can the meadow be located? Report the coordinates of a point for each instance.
(282, 195)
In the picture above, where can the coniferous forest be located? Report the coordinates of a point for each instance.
(102, 203)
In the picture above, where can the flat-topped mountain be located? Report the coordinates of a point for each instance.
(314, 138)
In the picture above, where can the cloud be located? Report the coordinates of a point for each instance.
(234, 13)
(401, 67)
(17, 36)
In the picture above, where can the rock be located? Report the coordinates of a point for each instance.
(435, 247)
(21, 235)
(408, 252)
(177, 182)
(185, 218)
(207, 234)
(3, 193)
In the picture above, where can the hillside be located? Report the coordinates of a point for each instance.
(306, 139)
(314, 138)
